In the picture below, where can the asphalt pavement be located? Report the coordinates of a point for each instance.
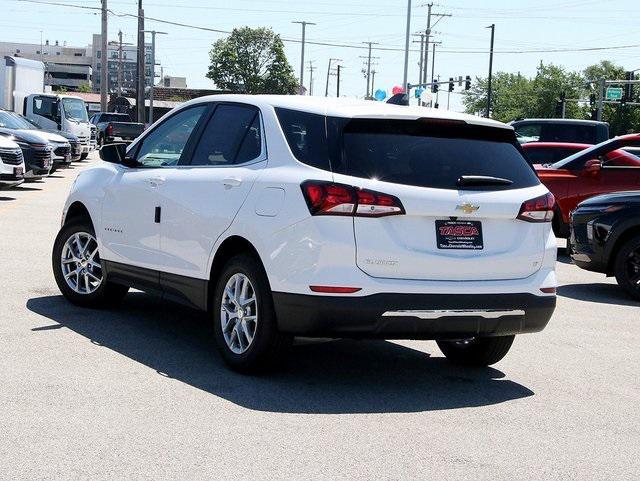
(139, 392)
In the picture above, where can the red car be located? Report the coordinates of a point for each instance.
(599, 169)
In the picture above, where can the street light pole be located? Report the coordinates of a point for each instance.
(304, 32)
(140, 83)
(153, 69)
(104, 81)
(406, 49)
(489, 92)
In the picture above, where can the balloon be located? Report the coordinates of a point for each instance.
(397, 90)
(380, 95)
(418, 92)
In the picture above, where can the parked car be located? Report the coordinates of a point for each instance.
(115, 127)
(605, 237)
(319, 217)
(597, 170)
(561, 130)
(36, 152)
(11, 164)
(74, 141)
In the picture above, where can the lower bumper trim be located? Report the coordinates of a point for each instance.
(412, 316)
(437, 314)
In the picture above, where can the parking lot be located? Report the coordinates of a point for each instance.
(141, 392)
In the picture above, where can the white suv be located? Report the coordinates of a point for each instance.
(11, 163)
(287, 215)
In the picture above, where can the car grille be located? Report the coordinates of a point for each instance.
(62, 151)
(41, 158)
(13, 157)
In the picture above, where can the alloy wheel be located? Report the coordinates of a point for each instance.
(80, 263)
(239, 313)
(632, 268)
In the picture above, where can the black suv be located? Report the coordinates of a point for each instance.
(605, 237)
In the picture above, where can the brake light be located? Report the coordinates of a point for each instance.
(539, 209)
(327, 198)
(110, 130)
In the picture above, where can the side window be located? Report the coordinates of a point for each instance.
(232, 136)
(46, 107)
(306, 135)
(531, 131)
(164, 145)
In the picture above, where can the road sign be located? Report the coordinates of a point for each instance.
(614, 93)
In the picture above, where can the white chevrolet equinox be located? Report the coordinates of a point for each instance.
(288, 215)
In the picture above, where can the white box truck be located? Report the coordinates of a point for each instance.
(22, 90)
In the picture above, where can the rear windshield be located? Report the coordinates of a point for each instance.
(409, 152)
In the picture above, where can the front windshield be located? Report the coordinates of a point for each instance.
(10, 120)
(74, 109)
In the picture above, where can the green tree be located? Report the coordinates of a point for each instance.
(85, 87)
(252, 60)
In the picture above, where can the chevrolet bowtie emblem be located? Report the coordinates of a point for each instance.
(467, 208)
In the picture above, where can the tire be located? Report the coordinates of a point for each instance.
(83, 156)
(626, 267)
(101, 294)
(266, 348)
(478, 352)
(54, 167)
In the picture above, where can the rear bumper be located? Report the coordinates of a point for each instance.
(429, 316)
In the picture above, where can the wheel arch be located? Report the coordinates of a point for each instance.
(76, 210)
(629, 233)
(230, 247)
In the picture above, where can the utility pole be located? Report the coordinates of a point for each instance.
(602, 87)
(119, 62)
(427, 38)
(373, 81)
(340, 67)
(368, 72)
(489, 92)
(433, 67)
(311, 70)
(406, 51)
(153, 69)
(104, 80)
(140, 66)
(304, 33)
(326, 89)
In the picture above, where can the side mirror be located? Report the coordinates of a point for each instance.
(592, 167)
(114, 153)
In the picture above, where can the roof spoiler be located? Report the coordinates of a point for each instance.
(399, 99)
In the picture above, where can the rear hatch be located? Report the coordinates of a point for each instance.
(126, 130)
(462, 188)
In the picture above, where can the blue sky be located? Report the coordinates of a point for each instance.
(520, 26)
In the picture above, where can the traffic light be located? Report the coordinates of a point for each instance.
(434, 88)
(451, 85)
(467, 82)
(628, 88)
(592, 100)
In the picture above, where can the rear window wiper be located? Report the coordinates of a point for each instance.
(479, 180)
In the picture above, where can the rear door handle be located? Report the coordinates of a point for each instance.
(232, 182)
(156, 181)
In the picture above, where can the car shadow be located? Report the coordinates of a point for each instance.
(563, 256)
(24, 188)
(597, 292)
(6, 199)
(334, 377)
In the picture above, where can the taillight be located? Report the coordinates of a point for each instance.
(110, 130)
(328, 198)
(539, 209)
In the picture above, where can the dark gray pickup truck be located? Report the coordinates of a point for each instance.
(114, 127)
